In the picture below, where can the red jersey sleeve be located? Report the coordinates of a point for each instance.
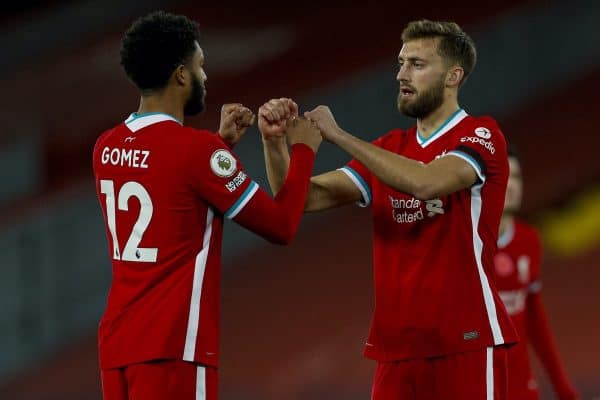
(217, 175)
(278, 219)
(540, 331)
(219, 178)
(483, 146)
(535, 281)
(361, 176)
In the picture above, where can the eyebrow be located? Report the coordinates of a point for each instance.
(412, 59)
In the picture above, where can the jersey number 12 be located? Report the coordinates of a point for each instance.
(131, 252)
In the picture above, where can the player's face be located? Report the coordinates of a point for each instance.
(422, 78)
(514, 188)
(195, 102)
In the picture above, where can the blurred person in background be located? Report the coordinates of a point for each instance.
(439, 329)
(164, 190)
(518, 280)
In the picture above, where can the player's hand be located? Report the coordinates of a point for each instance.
(235, 119)
(325, 121)
(273, 116)
(302, 130)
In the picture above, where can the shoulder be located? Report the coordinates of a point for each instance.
(199, 139)
(486, 128)
(482, 133)
(484, 120)
(527, 232)
(105, 136)
(104, 141)
(208, 148)
(391, 137)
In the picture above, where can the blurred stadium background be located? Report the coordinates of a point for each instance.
(293, 319)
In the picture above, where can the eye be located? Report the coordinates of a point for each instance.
(419, 65)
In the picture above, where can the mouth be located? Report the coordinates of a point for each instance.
(406, 92)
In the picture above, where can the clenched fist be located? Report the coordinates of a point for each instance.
(235, 119)
(273, 116)
(302, 130)
(324, 119)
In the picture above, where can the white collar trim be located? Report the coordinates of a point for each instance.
(450, 123)
(135, 122)
(507, 236)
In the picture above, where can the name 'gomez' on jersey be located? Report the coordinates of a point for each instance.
(433, 260)
(155, 180)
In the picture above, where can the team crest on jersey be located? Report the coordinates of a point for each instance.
(504, 264)
(223, 163)
(483, 132)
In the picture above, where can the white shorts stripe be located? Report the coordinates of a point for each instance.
(489, 373)
(200, 383)
(199, 268)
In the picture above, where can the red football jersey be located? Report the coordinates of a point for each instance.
(164, 189)
(517, 265)
(433, 260)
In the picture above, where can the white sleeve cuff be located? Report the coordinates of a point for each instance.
(360, 184)
(242, 201)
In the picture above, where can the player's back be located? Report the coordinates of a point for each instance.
(159, 233)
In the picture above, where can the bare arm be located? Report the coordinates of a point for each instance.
(424, 181)
(277, 162)
(329, 190)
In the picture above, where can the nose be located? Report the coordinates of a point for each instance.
(402, 75)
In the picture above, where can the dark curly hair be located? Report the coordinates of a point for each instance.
(155, 45)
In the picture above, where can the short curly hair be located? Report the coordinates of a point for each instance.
(455, 45)
(155, 45)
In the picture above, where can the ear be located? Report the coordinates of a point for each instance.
(455, 76)
(180, 75)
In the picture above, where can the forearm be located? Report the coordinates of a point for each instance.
(277, 219)
(277, 162)
(398, 172)
(318, 198)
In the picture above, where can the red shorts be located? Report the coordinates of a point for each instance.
(160, 380)
(475, 375)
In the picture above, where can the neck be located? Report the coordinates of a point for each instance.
(162, 102)
(505, 222)
(431, 122)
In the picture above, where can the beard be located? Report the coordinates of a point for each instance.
(424, 103)
(195, 103)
